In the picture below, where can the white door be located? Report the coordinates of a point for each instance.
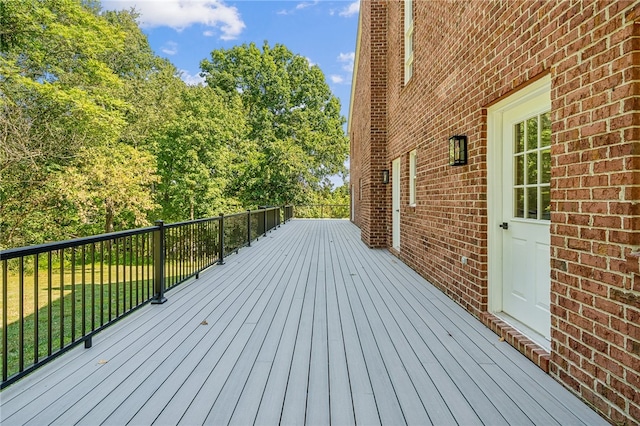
(395, 204)
(526, 202)
(353, 210)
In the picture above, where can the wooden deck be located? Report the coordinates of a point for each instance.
(308, 326)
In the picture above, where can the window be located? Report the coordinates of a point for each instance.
(532, 167)
(413, 165)
(408, 40)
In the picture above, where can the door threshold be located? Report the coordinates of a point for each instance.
(533, 335)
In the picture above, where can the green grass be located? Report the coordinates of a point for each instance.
(104, 300)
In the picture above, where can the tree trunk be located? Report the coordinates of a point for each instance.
(109, 213)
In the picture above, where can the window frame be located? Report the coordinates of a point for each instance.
(408, 40)
(413, 177)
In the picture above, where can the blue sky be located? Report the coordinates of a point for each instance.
(186, 31)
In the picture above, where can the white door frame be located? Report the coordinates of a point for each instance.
(495, 188)
(395, 203)
(353, 212)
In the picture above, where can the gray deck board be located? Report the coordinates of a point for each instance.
(308, 326)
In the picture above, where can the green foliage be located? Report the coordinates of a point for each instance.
(100, 134)
(294, 125)
(197, 151)
(110, 183)
(56, 99)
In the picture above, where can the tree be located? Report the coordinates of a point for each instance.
(56, 98)
(111, 184)
(150, 84)
(197, 153)
(295, 131)
(77, 88)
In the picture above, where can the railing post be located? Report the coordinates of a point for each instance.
(265, 221)
(221, 239)
(158, 264)
(249, 227)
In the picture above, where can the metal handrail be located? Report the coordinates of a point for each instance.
(322, 211)
(88, 283)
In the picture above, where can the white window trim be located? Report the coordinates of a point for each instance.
(408, 40)
(413, 166)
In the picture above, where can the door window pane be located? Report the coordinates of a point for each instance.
(545, 130)
(545, 167)
(520, 170)
(532, 133)
(532, 202)
(519, 138)
(545, 202)
(518, 196)
(532, 168)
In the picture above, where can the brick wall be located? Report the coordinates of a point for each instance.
(369, 131)
(469, 55)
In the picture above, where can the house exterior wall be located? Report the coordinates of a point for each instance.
(369, 131)
(468, 56)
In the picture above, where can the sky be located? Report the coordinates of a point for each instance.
(186, 31)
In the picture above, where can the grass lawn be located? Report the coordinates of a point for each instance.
(108, 291)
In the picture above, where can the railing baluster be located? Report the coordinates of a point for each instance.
(265, 222)
(61, 260)
(249, 228)
(158, 263)
(145, 265)
(49, 304)
(5, 331)
(84, 290)
(36, 313)
(137, 270)
(128, 282)
(93, 286)
(109, 278)
(73, 294)
(21, 314)
(117, 268)
(101, 283)
(221, 239)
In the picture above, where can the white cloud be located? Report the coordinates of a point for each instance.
(306, 4)
(311, 63)
(336, 79)
(191, 80)
(170, 48)
(208, 33)
(347, 59)
(299, 6)
(180, 14)
(351, 10)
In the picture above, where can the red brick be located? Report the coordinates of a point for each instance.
(592, 51)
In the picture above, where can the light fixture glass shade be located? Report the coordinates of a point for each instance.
(457, 150)
(385, 176)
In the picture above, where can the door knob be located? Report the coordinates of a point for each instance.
(504, 225)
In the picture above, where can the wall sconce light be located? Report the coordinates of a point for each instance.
(457, 150)
(385, 176)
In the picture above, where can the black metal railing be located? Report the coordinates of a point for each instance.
(322, 211)
(58, 295)
(287, 212)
